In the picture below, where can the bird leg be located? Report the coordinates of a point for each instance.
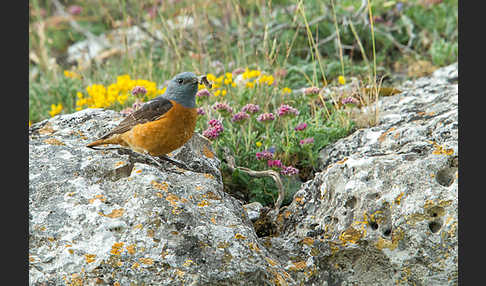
(175, 162)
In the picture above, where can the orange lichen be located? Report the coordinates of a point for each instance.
(308, 241)
(351, 235)
(101, 198)
(207, 152)
(240, 236)
(90, 257)
(383, 136)
(254, 246)
(160, 186)
(53, 141)
(117, 248)
(131, 249)
(172, 199)
(270, 261)
(188, 262)
(299, 265)
(114, 214)
(147, 261)
(212, 196)
(203, 203)
(135, 265)
(209, 176)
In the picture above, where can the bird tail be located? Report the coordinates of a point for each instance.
(110, 140)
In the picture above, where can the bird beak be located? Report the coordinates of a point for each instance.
(204, 80)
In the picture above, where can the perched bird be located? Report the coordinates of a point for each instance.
(163, 124)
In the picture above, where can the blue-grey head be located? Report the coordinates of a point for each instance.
(183, 88)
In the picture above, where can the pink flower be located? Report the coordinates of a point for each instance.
(214, 130)
(203, 93)
(250, 108)
(265, 154)
(266, 117)
(285, 109)
(139, 90)
(289, 171)
(75, 9)
(301, 126)
(238, 71)
(240, 116)
(311, 91)
(349, 100)
(305, 141)
(200, 111)
(274, 163)
(222, 107)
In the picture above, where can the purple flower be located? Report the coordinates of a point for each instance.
(214, 130)
(301, 126)
(274, 163)
(306, 141)
(265, 154)
(240, 116)
(139, 90)
(75, 9)
(285, 109)
(349, 100)
(266, 117)
(222, 107)
(311, 90)
(250, 108)
(203, 93)
(200, 111)
(289, 171)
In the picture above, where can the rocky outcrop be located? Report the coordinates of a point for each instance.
(383, 210)
(107, 217)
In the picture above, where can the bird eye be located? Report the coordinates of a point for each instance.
(180, 81)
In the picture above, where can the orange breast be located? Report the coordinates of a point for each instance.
(164, 135)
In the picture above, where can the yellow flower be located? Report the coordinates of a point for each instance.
(217, 92)
(286, 90)
(250, 84)
(55, 109)
(211, 77)
(341, 80)
(223, 92)
(258, 144)
(71, 74)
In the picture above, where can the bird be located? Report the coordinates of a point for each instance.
(163, 124)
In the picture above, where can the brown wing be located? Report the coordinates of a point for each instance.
(150, 111)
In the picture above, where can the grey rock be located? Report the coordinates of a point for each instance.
(383, 210)
(253, 210)
(100, 217)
